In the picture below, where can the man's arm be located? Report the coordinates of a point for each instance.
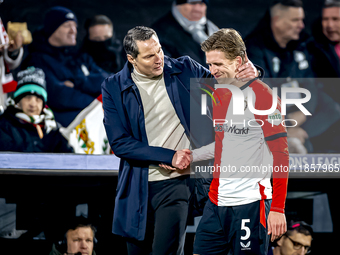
(62, 97)
(125, 146)
(204, 153)
(89, 83)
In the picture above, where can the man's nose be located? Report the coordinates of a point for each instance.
(302, 251)
(73, 30)
(32, 101)
(83, 244)
(330, 23)
(302, 25)
(213, 70)
(158, 58)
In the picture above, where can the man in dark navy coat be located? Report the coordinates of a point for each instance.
(147, 120)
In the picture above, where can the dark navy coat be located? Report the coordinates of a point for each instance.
(125, 128)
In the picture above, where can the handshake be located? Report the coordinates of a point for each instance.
(181, 160)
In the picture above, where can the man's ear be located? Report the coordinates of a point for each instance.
(273, 21)
(130, 59)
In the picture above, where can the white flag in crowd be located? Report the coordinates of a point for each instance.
(86, 133)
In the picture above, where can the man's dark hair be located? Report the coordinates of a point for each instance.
(331, 3)
(97, 20)
(284, 5)
(78, 222)
(288, 3)
(299, 226)
(138, 33)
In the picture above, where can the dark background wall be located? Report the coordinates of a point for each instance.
(242, 15)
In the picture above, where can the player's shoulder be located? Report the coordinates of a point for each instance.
(261, 89)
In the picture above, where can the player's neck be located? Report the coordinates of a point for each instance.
(238, 83)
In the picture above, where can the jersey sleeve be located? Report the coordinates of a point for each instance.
(275, 134)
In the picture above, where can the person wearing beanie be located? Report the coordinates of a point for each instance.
(73, 80)
(31, 82)
(27, 124)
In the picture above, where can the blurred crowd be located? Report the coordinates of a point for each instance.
(48, 81)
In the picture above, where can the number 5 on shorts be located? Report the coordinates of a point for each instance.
(244, 227)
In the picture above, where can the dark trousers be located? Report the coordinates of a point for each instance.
(167, 217)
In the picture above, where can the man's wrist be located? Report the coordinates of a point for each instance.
(277, 209)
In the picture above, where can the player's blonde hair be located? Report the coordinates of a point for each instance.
(227, 40)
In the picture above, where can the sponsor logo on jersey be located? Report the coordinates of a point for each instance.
(275, 118)
(231, 129)
(245, 246)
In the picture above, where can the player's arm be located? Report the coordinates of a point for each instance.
(204, 153)
(127, 147)
(275, 135)
(276, 217)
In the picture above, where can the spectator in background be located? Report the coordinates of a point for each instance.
(278, 45)
(184, 28)
(72, 79)
(325, 49)
(297, 240)
(11, 53)
(79, 237)
(28, 125)
(100, 42)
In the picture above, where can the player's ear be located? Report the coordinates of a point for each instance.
(238, 60)
(131, 59)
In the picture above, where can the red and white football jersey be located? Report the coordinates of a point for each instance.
(245, 146)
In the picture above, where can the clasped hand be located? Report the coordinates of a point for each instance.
(181, 160)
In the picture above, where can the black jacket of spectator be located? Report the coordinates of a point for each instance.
(325, 61)
(17, 135)
(175, 41)
(293, 63)
(263, 50)
(62, 64)
(107, 54)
